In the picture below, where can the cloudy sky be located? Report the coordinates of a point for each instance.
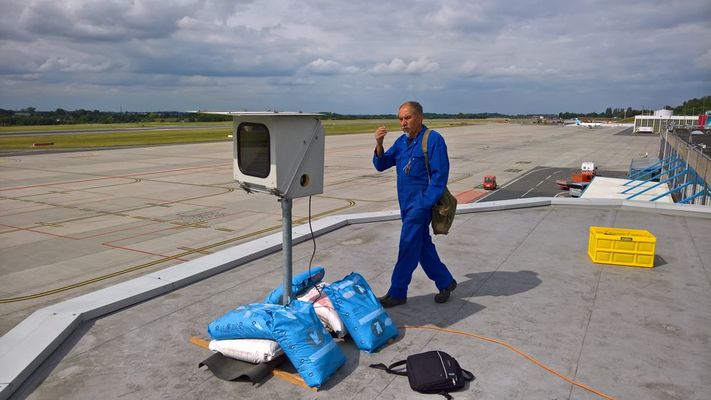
(362, 56)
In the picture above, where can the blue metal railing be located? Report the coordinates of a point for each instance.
(659, 165)
(679, 163)
(657, 184)
(687, 181)
(705, 190)
(676, 189)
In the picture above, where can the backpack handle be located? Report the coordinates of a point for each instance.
(390, 369)
(468, 376)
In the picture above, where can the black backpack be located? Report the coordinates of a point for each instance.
(431, 372)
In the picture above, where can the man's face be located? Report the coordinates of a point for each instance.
(410, 121)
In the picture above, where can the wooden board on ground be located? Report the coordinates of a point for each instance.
(290, 377)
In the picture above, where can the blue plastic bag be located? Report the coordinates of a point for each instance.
(299, 284)
(361, 312)
(295, 327)
(307, 343)
(252, 321)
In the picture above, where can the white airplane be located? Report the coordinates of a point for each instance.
(592, 125)
(587, 124)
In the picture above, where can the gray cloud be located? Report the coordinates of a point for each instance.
(360, 56)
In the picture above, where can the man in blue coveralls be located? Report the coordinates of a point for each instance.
(416, 193)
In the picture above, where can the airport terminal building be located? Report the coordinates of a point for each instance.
(661, 121)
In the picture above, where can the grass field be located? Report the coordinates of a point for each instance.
(88, 127)
(217, 131)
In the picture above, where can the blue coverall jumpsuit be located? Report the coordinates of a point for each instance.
(416, 195)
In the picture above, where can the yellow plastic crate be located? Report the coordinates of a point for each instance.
(620, 246)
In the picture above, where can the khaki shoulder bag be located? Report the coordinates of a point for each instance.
(443, 212)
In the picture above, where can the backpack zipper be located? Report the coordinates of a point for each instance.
(444, 368)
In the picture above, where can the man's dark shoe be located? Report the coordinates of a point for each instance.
(443, 294)
(387, 301)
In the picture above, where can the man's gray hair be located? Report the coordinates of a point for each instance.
(414, 106)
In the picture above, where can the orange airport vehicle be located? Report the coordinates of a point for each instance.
(581, 176)
(489, 182)
(586, 173)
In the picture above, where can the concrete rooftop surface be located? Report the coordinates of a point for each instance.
(108, 250)
(524, 278)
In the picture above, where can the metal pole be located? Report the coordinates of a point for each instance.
(666, 141)
(286, 246)
(706, 184)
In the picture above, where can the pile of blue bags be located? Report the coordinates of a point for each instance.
(366, 320)
(297, 329)
(299, 284)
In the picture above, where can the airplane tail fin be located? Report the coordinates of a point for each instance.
(577, 121)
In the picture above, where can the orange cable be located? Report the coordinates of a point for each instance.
(515, 350)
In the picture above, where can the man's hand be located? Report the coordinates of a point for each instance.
(379, 137)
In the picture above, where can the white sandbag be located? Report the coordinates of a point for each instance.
(250, 350)
(324, 310)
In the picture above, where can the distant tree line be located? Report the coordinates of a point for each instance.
(689, 107)
(611, 113)
(693, 106)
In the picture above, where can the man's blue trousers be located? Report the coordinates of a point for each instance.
(416, 247)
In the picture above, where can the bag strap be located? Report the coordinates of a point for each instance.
(446, 395)
(390, 369)
(468, 376)
(425, 137)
